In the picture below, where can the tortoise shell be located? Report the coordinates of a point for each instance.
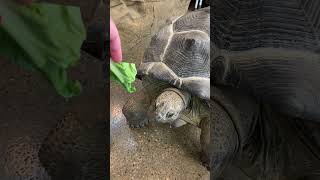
(179, 54)
(271, 49)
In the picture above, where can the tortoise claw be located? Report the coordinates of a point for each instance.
(137, 125)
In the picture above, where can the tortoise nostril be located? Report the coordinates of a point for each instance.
(169, 114)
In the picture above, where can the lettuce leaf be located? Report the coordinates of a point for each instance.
(45, 37)
(124, 73)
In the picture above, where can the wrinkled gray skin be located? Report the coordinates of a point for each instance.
(252, 141)
(264, 106)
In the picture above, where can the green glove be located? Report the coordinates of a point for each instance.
(125, 74)
(45, 37)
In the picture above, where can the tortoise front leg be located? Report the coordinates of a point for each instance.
(233, 116)
(137, 109)
(205, 142)
(223, 143)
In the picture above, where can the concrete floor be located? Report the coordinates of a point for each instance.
(154, 152)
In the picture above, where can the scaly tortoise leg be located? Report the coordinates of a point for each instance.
(223, 140)
(205, 142)
(232, 114)
(75, 149)
(137, 110)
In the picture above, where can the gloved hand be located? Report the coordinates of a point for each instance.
(115, 43)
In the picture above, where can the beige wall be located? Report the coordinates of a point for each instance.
(138, 20)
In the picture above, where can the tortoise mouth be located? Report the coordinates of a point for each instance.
(164, 114)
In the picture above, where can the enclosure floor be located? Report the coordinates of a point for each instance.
(30, 107)
(154, 152)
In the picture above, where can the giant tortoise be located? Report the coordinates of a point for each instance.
(176, 76)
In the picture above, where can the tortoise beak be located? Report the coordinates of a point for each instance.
(139, 76)
(140, 73)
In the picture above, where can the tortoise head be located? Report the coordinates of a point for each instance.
(169, 105)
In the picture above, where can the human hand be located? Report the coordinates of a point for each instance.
(115, 43)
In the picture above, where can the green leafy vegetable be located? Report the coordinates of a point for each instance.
(45, 37)
(124, 73)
